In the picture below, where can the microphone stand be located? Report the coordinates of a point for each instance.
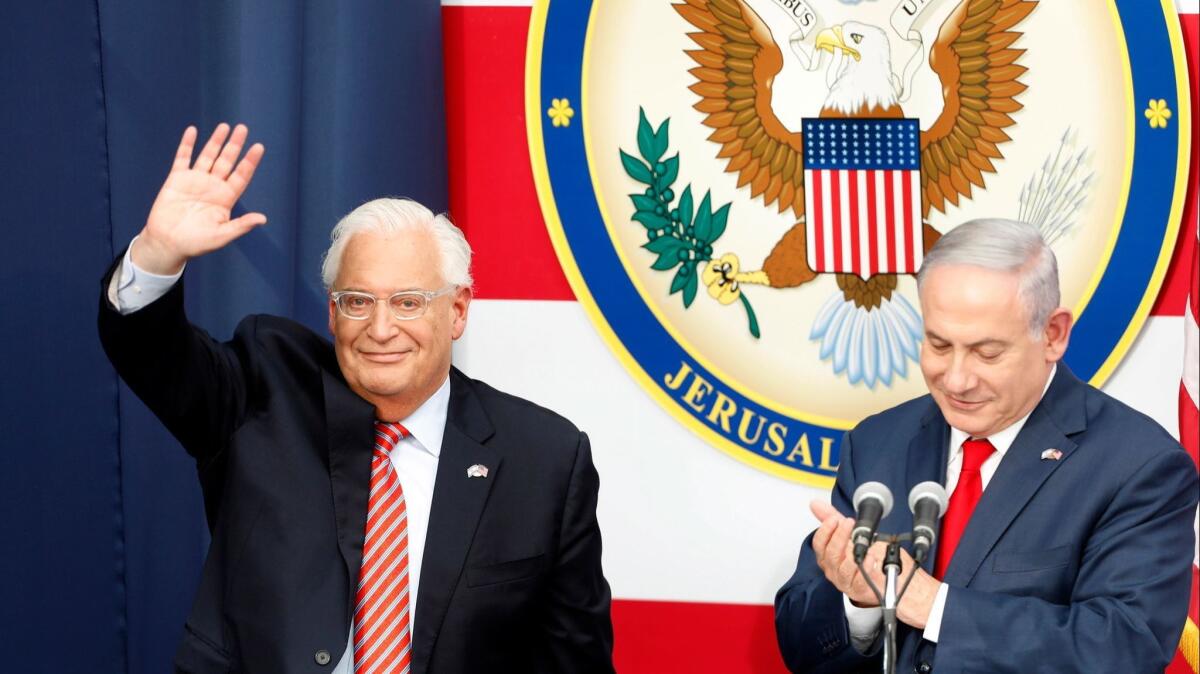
(892, 592)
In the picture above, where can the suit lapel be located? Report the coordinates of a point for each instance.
(927, 457)
(1021, 473)
(350, 423)
(458, 502)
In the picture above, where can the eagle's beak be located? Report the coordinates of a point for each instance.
(831, 39)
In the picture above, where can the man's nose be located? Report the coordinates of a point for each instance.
(959, 376)
(382, 325)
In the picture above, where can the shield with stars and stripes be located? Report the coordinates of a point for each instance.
(862, 195)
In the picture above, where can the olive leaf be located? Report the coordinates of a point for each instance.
(678, 231)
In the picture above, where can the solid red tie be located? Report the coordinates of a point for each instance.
(382, 639)
(962, 502)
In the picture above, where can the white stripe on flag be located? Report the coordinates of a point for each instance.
(1192, 354)
(882, 221)
(864, 229)
(826, 217)
(648, 511)
(898, 226)
(845, 264)
(487, 3)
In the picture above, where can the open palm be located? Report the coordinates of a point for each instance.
(191, 215)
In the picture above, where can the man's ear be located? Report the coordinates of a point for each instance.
(332, 315)
(1058, 334)
(462, 302)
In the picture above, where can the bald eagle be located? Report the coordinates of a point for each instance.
(868, 331)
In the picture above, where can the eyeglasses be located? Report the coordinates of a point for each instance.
(405, 305)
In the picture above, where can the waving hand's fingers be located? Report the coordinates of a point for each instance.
(229, 154)
(212, 148)
(245, 169)
(193, 212)
(183, 155)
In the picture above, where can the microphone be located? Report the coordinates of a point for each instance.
(928, 503)
(872, 502)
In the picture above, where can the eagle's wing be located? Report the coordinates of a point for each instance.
(737, 65)
(980, 83)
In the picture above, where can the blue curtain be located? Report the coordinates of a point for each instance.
(102, 528)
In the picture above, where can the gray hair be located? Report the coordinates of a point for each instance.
(1007, 246)
(391, 215)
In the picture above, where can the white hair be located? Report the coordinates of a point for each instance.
(1008, 246)
(392, 215)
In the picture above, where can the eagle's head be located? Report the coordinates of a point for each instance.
(860, 75)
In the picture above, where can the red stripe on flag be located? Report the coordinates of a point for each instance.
(909, 263)
(872, 223)
(669, 637)
(1174, 290)
(855, 245)
(818, 225)
(835, 222)
(492, 193)
(889, 217)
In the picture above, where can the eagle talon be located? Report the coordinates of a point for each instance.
(720, 277)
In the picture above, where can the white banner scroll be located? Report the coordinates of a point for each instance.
(807, 20)
(907, 22)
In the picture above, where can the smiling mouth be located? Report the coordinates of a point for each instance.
(387, 357)
(964, 404)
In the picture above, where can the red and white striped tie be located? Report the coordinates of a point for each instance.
(382, 639)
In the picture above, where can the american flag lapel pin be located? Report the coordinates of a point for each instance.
(1051, 454)
(477, 470)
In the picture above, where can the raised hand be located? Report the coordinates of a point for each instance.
(191, 215)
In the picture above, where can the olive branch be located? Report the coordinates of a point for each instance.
(682, 235)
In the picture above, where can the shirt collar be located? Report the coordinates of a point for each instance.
(1002, 439)
(427, 424)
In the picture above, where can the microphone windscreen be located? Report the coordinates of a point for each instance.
(928, 490)
(877, 490)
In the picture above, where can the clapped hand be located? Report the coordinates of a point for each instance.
(191, 215)
(835, 554)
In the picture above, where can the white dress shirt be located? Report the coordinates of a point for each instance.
(866, 623)
(132, 287)
(415, 458)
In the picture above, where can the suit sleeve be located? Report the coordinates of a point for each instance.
(577, 625)
(1128, 603)
(195, 385)
(810, 616)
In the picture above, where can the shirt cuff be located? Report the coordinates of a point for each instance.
(132, 287)
(933, 626)
(864, 624)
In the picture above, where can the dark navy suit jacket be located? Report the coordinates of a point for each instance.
(1075, 565)
(511, 579)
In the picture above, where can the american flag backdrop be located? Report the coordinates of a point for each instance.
(863, 197)
(1187, 660)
